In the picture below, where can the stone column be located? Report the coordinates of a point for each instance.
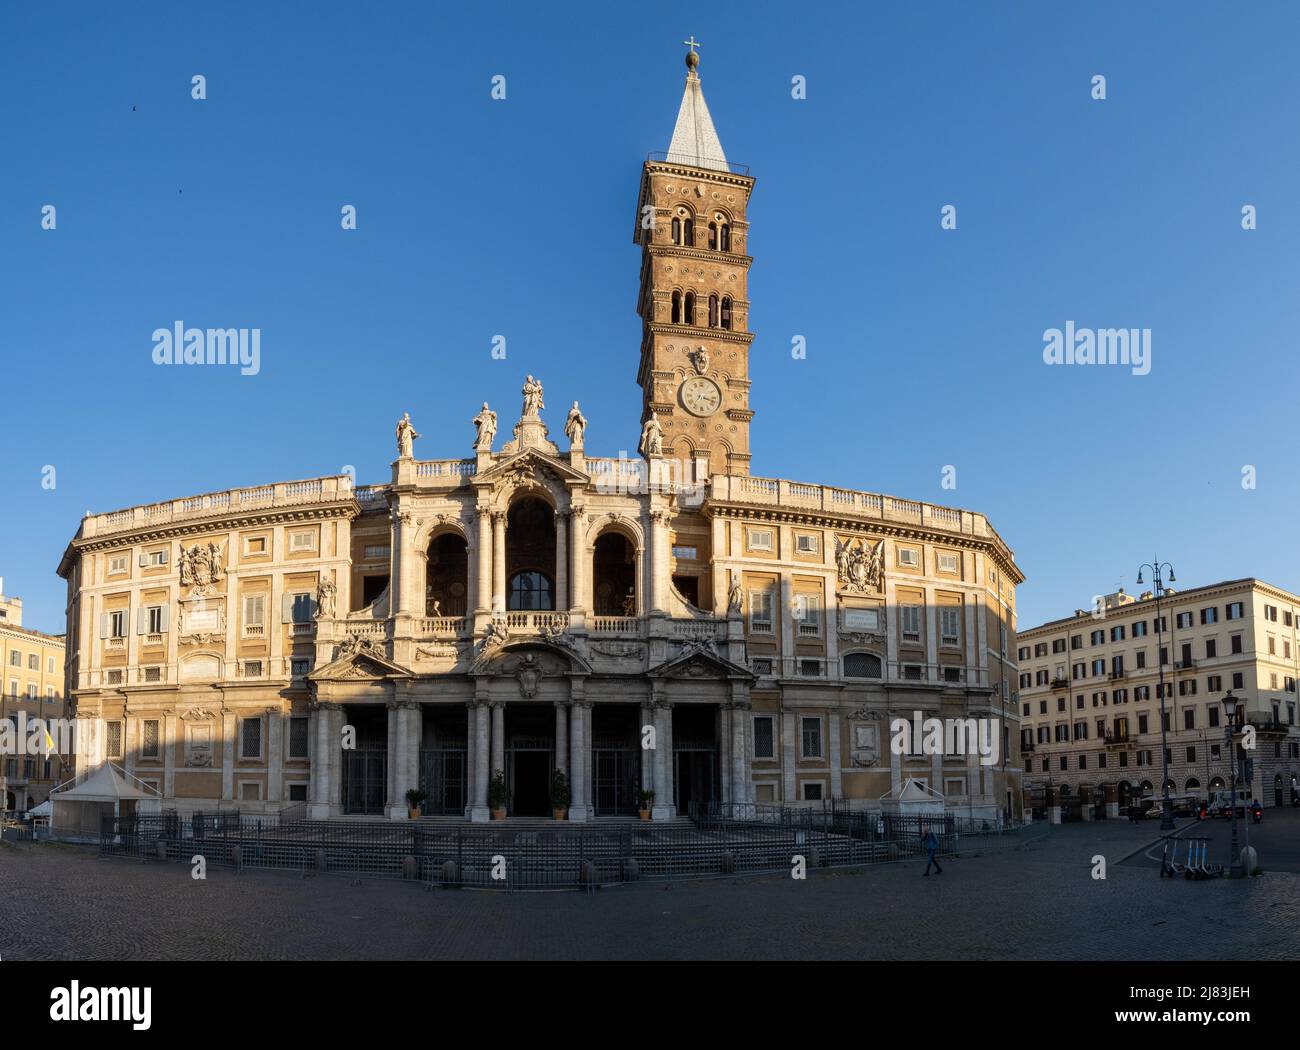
(318, 789)
(479, 810)
(274, 754)
(484, 544)
(658, 561)
(726, 773)
(498, 737)
(740, 775)
(414, 731)
(578, 762)
(837, 759)
(498, 562)
(562, 740)
(471, 753)
(577, 560)
(390, 778)
(561, 559)
(169, 756)
(663, 808)
(789, 758)
(647, 756)
(588, 735)
(227, 755)
(397, 747)
(338, 719)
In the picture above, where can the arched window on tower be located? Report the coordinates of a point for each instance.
(677, 230)
(677, 308)
(724, 239)
(689, 316)
(726, 311)
(688, 232)
(713, 236)
(713, 311)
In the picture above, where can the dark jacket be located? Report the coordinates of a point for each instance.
(930, 842)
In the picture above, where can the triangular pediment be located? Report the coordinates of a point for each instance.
(700, 660)
(353, 666)
(528, 465)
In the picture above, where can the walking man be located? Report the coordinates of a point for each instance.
(931, 844)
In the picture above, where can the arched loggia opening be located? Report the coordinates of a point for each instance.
(446, 586)
(614, 575)
(530, 556)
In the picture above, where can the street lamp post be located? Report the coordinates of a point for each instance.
(1157, 568)
(1230, 703)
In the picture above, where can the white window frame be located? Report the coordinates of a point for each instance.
(298, 534)
(807, 543)
(119, 564)
(768, 623)
(954, 612)
(906, 612)
(948, 556)
(250, 551)
(908, 557)
(821, 742)
(753, 543)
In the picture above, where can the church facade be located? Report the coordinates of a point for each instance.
(671, 624)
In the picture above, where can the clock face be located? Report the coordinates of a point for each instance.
(700, 396)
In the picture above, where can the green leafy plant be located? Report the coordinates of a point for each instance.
(415, 798)
(561, 796)
(498, 793)
(645, 798)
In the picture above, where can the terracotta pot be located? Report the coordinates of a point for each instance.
(413, 812)
(560, 814)
(498, 814)
(644, 814)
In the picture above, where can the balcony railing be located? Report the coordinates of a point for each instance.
(1117, 739)
(444, 626)
(281, 494)
(1184, 665)
(615, 624)
(535, 621)
(1116, 676)
(1060, 683)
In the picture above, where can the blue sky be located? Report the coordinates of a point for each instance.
(479, 217)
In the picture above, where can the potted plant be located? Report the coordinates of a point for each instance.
(644, 799)
(561, 796)
(414, 800)
(498, 795)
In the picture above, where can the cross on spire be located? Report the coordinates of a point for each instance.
(692, 43)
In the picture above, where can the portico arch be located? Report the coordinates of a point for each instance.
(446, 578)
(531, 572)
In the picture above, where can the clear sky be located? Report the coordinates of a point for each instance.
(479, 217)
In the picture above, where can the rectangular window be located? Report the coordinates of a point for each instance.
(250, 739)
(298, 667)
(297, 792)
(1117, 633)
(808, 614)
(254, 610)
(764, 740)
(153, 674)
(154, 559)
(948, 563)
(303, 607)
(758, 539)
(812, 792)
(33, 662)
(1140, 629)
(949, 625)
(381, 551)
(252, 668)
(1210, 614)
(804, 543)
(811, 735)
(909, 557)
(760, 612)
(298, 730)
(689, 553)
(149, 739)
(910, 626)
(1235, 645)
(154, 622)
(117, 624)
(117, 564)
(1234, 611)
(255, 545)
(113, 739)
(304, 540)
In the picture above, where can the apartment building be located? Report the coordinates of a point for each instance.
(1092, 685)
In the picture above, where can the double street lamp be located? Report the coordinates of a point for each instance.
(1157, 568)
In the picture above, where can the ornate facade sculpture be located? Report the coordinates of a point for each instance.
(575, 427)
(700, 359)
(406, 436)
(201, 566)
(735, 595)
(652, 437)
(326, 595)
(357, 645)
(533, 403)
(529, 672)
(494, 636)
(556, 635)
(860, 569)
(865, 728)
(485, 428)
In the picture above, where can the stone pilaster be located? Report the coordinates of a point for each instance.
(664, 807)
(578, 760)
(274, 755)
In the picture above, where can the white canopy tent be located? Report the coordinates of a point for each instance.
(80, 805)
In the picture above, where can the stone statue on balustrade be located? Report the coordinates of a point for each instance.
(652, 437)
(533, 403)
(575, 426)
(406, 436)
(485, 428)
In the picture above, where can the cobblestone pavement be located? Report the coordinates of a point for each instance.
(1041, 903)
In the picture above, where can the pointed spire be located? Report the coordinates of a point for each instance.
(695, 142)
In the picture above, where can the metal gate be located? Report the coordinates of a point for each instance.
(365, 779)
(443, 779)
(615, 771)
(695, 775)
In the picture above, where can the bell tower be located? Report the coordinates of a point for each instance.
(694, 301)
